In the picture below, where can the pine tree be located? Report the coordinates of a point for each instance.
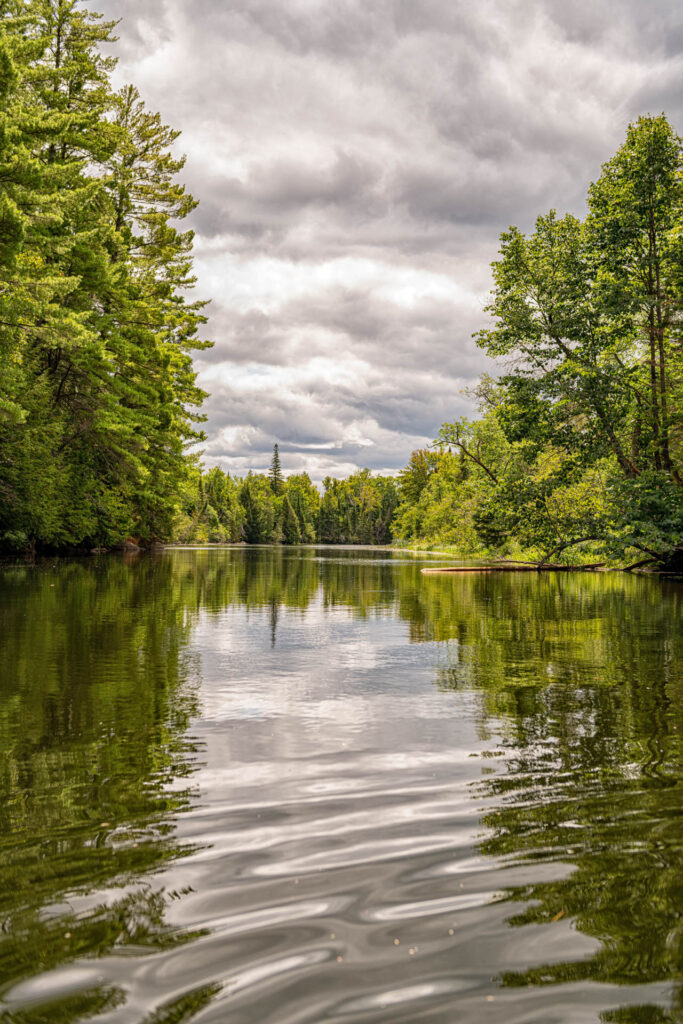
(291, 531)
(260, 513)
(49, 275)
(276, 478)
(155, 324)
(98, 399)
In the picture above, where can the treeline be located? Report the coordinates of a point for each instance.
(266, 509)
(578, 452)
(98, 399)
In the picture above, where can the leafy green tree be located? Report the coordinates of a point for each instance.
(223, 493)
(413, 479)
(329, 520)
(636, 243)
(569, 353)
(387, 502)
(444, 510)
(581, 442)
(489, 494)
(357, 510)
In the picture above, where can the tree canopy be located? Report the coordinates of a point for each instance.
(98, 400)
(219, 508)
(580, 440)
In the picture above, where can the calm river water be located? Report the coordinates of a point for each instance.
(292, 786)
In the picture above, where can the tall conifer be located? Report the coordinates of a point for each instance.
(98, 399)
(276, 478)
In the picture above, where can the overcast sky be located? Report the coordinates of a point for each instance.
(355, 162)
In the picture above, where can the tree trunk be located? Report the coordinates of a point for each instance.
(652, 338)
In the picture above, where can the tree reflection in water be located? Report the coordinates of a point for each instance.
(579, 675)
(586, 673)
(98, 688)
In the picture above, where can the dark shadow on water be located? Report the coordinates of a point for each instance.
(98, 689)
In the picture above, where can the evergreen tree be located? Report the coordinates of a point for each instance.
(305, 500)
(97, 391)
(260, 511)
(291, 530)
(276, 478)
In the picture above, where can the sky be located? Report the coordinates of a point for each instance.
(355, 163)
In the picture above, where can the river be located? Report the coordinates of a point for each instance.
(304, 785)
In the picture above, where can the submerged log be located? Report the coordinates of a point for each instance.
(547, 567)
(480, 568)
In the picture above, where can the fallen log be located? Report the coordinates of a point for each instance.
(514, 568)
(480, 568)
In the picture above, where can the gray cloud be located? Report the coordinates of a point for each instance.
(355, 164)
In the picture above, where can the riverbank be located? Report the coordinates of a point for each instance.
(530, 559)
(488, 562)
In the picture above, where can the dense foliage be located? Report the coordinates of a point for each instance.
(97, 392)
(263, 509)
(580, 441)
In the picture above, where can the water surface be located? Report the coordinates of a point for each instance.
(291, 786)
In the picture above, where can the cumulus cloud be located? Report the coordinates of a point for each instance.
(355, 165)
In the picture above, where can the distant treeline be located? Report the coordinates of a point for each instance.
(266, 509)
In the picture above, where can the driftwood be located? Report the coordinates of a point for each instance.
(640, 564)
(505, 567)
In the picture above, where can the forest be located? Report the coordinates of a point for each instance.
(577, 452)
(577, 449)
(266, 509)
(98, 399)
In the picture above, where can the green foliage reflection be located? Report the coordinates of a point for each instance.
(579, 676)
(586, 674)
(98, 690)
